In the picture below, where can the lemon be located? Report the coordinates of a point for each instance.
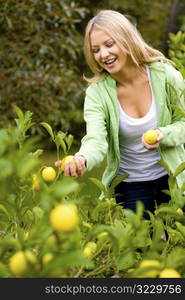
(89, 249)
(48, 174)
(150, 263)
(150, 137)
(85, 224)
(179, 211)
(102, 235)
(30, 256)
(47, 258)
(64, 217)
(35, 182)
(169, 273)
(66, 160)
(18, 263)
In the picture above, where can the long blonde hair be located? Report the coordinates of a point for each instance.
(125, 35)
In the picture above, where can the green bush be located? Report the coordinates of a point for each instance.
(177, 50)
(40, 46)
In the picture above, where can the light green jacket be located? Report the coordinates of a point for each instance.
(101, 114)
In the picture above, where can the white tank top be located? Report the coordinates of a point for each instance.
(135, 160)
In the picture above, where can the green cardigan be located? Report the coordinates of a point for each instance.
(101, 114)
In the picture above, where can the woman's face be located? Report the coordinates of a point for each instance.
(106, 52)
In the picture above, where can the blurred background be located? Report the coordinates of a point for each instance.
(42, 62)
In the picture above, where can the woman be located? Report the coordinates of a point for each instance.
(131, 92)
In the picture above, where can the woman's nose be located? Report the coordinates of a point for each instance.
(104, 52)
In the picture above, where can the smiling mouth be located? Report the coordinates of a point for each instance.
(110, 62)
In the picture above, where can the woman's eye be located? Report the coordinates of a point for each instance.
(94, 50)
(109, 45)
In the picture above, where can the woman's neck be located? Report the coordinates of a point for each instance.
(130, 74)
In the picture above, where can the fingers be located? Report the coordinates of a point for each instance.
(58, 163)
(76, 167)
(160, 135)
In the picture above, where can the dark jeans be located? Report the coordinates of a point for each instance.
(148, 192)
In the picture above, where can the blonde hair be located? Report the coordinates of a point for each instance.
(125, 35)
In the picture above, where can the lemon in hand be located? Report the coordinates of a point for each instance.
(64, 217)
(150, 137)
(66, 160)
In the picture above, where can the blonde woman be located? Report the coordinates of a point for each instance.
(129, 93)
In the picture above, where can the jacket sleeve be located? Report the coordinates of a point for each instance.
(174, 133)
(94, 144)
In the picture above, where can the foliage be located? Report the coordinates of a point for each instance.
(177, 50)
(40, 46)
(117, 239)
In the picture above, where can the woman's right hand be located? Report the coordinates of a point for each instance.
(75, 168)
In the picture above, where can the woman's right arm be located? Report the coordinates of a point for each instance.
(94, 144)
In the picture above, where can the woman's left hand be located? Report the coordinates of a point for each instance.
(160, 136)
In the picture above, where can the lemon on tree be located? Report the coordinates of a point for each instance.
(66, 160)
(153, 265)
(35, 182)
(90, 249)
(47, 258)
(169, 273)
(179, 211)
(48, 174)
(18, 263)
(150, 137)
(64, 217)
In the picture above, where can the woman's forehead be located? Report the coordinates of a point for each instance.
(98, 35)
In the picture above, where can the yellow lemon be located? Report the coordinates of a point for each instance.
(102, 235)
(179, 211)
(64, 217)
(169, 273)
(150, 263)
(47, 258)
(49, 174)
(150, 137)
(18, 263)
(66, 160)
(90, 249)
(30, 256)
(35, 182)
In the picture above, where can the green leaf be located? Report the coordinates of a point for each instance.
(179, 169)
(37, 153)
(116, 181)
(181, 228)
(64, 187)
(126, 259)
(18, 111)
(98, 183)
(4, 210)
(69, 140)
(165, 166)
(38, 213)
(6, 168)
(49, 129)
